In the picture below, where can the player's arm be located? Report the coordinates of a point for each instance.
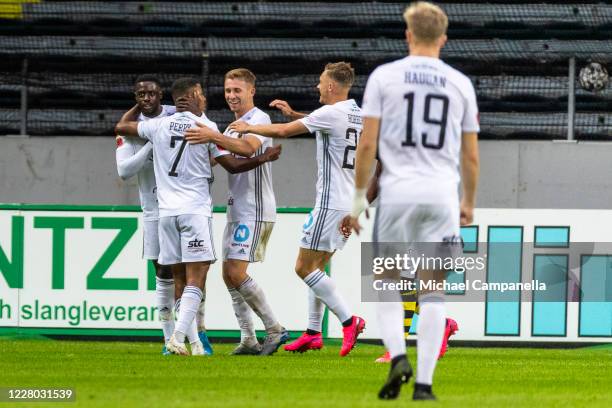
(244, 146)
(274, 130)
(372, 192)
(286, 109)
(470, 170)
(128, 162)
(364, 159)
(239, 165)
(128, 124)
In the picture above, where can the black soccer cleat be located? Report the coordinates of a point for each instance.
(399, 374)
(423, 392)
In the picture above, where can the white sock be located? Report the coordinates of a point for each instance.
(192, 331)
(243, 314)
(164, 297)
(254, 296)
(315, 312)
(192, 295)
(200, 315)
(391, 321)
(326, 290)
(432, 321)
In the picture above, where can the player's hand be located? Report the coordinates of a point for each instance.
(239, 126)
(350, 223)
(360, 204)
(186, 104)
(272, 153)
(282, 106)
(467, 214)
(199, 134)
(345, 227)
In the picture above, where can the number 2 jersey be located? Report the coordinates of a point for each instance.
(337, 128)
(127, 147)
(251, 195)
(182, 170)
(424, 106)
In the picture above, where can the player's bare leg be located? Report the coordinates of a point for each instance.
(309, 267)
(164, 298)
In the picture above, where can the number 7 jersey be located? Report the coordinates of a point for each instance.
(182, 170)
(424, 106)
(337, 128)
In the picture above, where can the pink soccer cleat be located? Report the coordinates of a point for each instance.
(305, 342)
(385, 358)
(451, 328)
(350, 335)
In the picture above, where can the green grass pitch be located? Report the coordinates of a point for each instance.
(123, 374)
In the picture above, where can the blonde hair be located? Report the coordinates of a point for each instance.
(242, 74)
(426, 21)
(341, 72)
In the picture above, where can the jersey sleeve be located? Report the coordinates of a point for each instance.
(216, 150)
(320, 119)
(471, 117)
(372, 97)
(147, 129)
(130, 162)
(260, 120)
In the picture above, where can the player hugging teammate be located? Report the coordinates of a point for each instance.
(183, 173)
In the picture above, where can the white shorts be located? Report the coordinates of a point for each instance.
(186, 238)
(321, 231)
(417, 223)
(150, 240)
(431, 229)
(246, 240)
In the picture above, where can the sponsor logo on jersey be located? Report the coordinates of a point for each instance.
(242, 233)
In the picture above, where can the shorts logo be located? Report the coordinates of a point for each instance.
(308, 222)
(242, 233)
(196, 245)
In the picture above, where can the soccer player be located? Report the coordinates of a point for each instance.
(337, 125)
(409, 298)
(251, 212)
(422, 116)
(135, 157)
(183, 172)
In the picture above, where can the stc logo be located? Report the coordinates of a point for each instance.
(308, 222)
(196, 243)
(242, 233)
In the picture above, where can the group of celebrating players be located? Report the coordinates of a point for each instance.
(419, 119)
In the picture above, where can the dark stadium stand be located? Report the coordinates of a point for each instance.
(82, 57)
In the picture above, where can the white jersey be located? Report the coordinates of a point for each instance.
(425, 105)
(251, 195)
(338, 128)
(182, 170)
(128, 147)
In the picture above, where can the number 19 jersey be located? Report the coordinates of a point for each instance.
(424, 106)
(182, 170)
(337, 128)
